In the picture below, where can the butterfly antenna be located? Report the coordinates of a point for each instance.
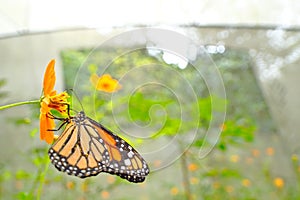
(77, 97)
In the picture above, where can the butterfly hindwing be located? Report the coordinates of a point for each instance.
(86, 148)
(125, 161)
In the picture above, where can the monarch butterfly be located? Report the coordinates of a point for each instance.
(86, 148)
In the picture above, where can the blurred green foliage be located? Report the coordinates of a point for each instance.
(2, 84)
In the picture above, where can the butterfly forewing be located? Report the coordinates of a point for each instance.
(86, 148)
(77, 152)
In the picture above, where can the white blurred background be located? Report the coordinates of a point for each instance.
(19, 16)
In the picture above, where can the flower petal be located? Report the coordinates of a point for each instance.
(49, 78)
(105, 83)
(94, 80)
(46, 124)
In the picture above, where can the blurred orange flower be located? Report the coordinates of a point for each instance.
(278, 182)
(194, 180)
(174, 191)
(216, 185)
(270, 151)
(105, 194)
(255, 152)
(229, 189)
(50, 100)
(234, 158)
(192, 167)
(105, 83)
(246, 182)
(70, 185)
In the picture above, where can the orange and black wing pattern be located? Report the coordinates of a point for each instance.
(86, 148)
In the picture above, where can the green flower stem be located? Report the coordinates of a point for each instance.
(41, 178)
(19, 104)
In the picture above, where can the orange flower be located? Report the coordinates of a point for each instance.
(255, 152)
(216, 185)
(105, 83)
(192, 167)
(174, 191)
(278, 182)
(70, 185)
(246, 182)
(50, 100)
(234, 158)
(105, 194)
(270, 151)
(229, 189)
(194, 180)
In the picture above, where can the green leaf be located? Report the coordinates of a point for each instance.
(5, 175)
(20, 120)
(21, 174)
(33, 132)
(2, 82)
(24, 196)
(236, 132)
(93, 68)
(170, 127)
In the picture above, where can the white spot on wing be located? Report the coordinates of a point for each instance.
(127, 162)
(130, 154)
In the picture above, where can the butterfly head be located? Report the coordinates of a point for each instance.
(80, 117)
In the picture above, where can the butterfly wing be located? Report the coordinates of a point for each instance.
(78, 152)
(86, 148)
(125, 161)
